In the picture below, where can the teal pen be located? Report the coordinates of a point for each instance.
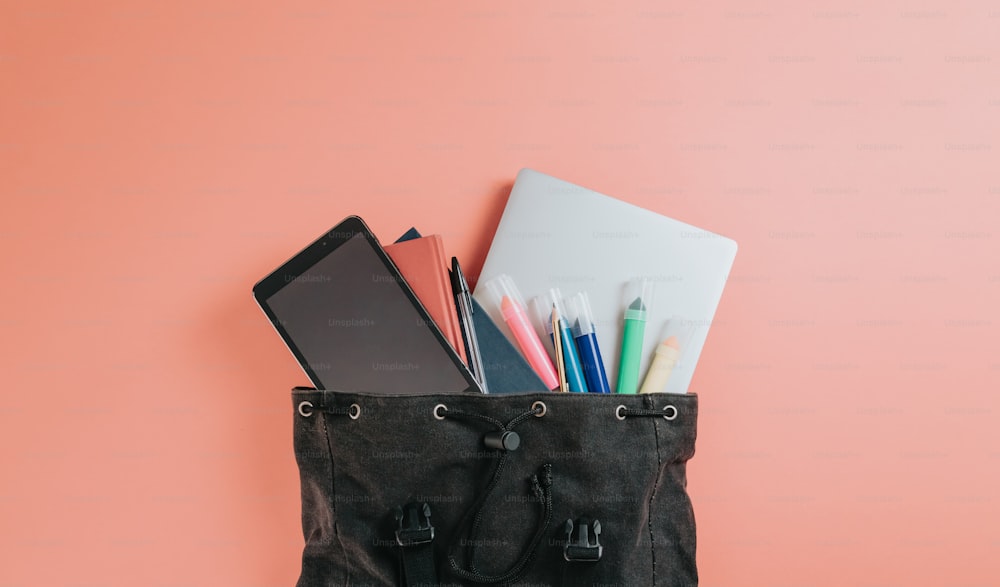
(639, 292)
(544, 306)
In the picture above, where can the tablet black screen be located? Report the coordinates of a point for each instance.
(357, 329)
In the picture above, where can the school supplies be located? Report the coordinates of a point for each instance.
(505, 369)
(421, 261)
(581, 320)
(560, 358)
(463, 301)
(639, 291)
(609, 242)
(395, 535)
(550, 312)
(663, 365)
(509, 305)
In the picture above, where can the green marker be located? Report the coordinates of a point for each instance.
(640, 291)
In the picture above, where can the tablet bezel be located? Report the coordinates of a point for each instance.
(305, 259)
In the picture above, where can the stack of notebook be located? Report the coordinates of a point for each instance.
(422, 263)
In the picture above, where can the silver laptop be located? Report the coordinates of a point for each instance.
(554, 234)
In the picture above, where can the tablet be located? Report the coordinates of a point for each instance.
(352, 322)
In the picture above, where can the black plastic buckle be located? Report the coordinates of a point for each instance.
(582, 541)
(414, 521)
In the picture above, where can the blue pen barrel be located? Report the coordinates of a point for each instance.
(592, 363)
(581, 318)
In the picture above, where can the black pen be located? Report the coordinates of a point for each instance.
(463, 301)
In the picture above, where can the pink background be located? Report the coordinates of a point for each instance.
(157, 158)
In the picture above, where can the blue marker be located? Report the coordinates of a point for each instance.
(543, 310)
(582, 320)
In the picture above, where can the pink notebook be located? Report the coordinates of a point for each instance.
(423, 265)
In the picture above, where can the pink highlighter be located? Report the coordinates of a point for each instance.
(511, 305)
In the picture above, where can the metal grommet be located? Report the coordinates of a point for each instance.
(619, 410)
(302, 412)
(670, 415)
(537, 405)
(437, 409)
(355, 412)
